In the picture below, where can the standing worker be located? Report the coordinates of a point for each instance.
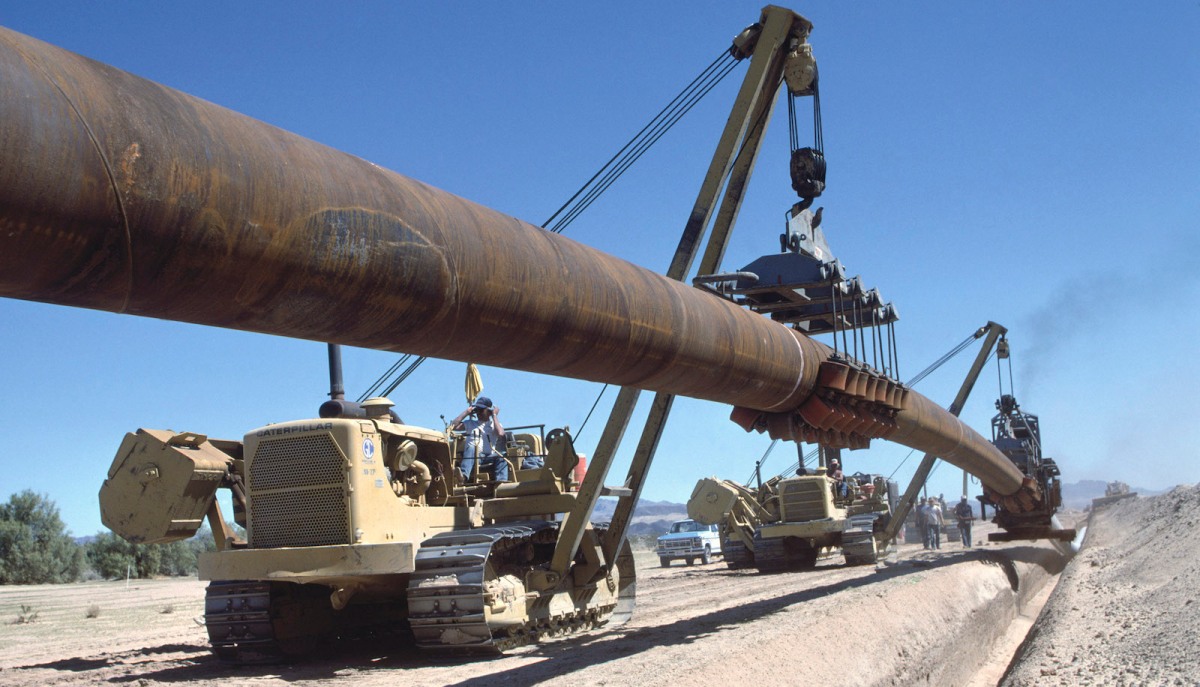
(923, 521)
(935, 524)
(482, 433)
(964, 514)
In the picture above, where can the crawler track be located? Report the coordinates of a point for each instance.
(859, 545)
(462, 578)
(237, 616)
(466, 596)
(778, 554)
(737, 555)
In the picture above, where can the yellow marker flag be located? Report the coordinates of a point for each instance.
(474, 385)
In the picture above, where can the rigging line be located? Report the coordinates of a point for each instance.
(902, 463)
(647, 137)
(941, 361)
(887, 347)
(794, 466)
(857, 327)
(818, 134)
(758, 466)
(852, 310)
(659, 130)
(665, 120)
(874, 331)
(1011, 387)
(895, 351)
(589, 415)
(774, 442)
(615, 167)
(383, 378)
(633, 156)
(683, 103)
(841, 315)
(724, 55)
(883, 349)
(885, 352)
(833, 304)
(404, 375)
(999, 377)
(793, 135)
(877, 338)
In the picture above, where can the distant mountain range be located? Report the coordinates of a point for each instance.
(649, 517)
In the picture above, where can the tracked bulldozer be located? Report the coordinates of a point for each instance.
(789, 523)
(356, 523)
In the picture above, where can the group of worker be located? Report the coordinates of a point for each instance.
(482, 438)
(930, 520)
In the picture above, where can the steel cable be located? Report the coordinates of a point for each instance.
(656, 132)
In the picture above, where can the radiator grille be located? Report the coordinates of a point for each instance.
(313, 510)
(314, 517)
(305, 461)
(803, 501)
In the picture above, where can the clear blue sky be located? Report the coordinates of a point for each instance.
(1037, 164)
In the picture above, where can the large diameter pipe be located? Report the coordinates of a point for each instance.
(120, 194)
(926, 426)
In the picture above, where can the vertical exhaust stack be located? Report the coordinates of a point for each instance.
(337, 405)
(337, 389)
(120, 194)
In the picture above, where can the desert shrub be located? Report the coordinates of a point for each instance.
(26, 616)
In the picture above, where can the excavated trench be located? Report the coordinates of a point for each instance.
(965, 620)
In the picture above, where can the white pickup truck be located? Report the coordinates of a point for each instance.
(689, 540)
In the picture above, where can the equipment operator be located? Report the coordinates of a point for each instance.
(482, 432)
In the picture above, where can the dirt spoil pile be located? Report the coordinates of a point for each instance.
(1126, 611)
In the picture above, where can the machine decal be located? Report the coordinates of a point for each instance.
(295, 429)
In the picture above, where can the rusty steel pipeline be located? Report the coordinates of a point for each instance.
(119, 194)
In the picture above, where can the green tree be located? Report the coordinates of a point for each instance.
(176, 559)
(35, 547)
(111, 556)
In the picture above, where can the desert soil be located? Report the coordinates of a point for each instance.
(1127, 609)
(833, 625)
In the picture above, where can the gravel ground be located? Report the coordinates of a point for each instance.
(1125, 611)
